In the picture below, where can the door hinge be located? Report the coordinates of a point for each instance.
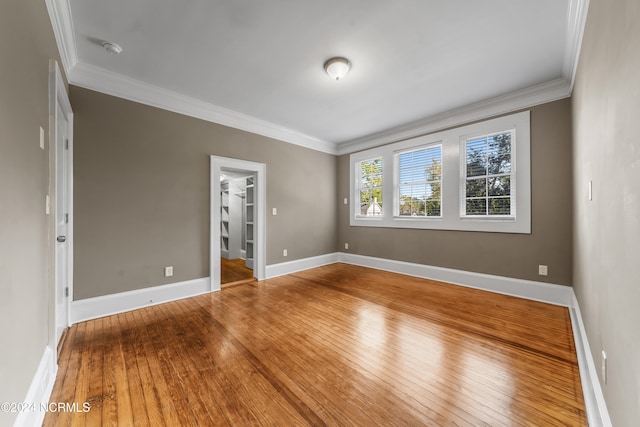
(66, 144)
(66, 218)
(66, 292)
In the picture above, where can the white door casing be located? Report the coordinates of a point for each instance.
(61, 146)
(217, 164)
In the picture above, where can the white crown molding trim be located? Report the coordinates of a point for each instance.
(511, 102)
(289, 267)
(576, 21)
(39, 392)
(62, 23)
(528, 289)
(101, 80)
(595, 405)
(93, 308)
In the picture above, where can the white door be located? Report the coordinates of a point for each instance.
(62, 209)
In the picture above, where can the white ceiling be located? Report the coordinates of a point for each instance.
(257, 64)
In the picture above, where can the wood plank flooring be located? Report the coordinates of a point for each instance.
(234, 270)
(339, 345)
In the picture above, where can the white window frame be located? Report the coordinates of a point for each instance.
(512, 175)
(453, 142)
(358, 172)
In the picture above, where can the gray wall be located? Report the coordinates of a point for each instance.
(141, 197)
(519, 254)
(26, 44)
(606, 105)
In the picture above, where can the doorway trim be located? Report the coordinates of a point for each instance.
(217, 164)
(58, 97)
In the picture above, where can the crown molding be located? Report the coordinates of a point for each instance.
(576, 21)
(60, 15)
(101, 80)
(511, 102)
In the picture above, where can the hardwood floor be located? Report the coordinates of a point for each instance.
(234, 270)
(337, 345)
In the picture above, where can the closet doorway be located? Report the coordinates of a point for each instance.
(237, 221)
(237, 202)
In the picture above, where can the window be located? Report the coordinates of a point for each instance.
(488, 180)
(420, 182)
(370, 187)
(471, 178)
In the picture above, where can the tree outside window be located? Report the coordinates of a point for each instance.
(371, 187)
(488, 175)
(420, 182)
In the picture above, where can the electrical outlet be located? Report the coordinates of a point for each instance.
(346, 246)
(274, 211)
(168, 271)
(284, 252)
(346, 201)
(41, 138)
(543, 270)
(604, 367)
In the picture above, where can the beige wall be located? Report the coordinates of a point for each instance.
(606, 119)
(519, 254)
(26, 45)
(142, 194)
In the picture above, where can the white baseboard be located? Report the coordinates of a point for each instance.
(92, 308)
(537, 291)
(275, 270)
(596, 407)
(39, 391)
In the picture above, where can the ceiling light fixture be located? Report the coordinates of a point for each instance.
(337, 67)
(112, 48)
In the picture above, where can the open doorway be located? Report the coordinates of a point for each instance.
(237, 244)
(237, 203)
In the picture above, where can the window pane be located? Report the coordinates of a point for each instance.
(422, 173)
(500, 143)
(405, 206)
(434, 170)
(500, 206)
(488, 157)
(406, 175)
(504, 163)
(477, 157)
(433, 208)
(476, 206)
(500, 186)
(476, 187)
(418, 194)
(365, 197)
(371, 187)
(411, 200)
(499, 160)
(433, 191)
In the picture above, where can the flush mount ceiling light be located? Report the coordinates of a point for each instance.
(337, 67)
(112, 48)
